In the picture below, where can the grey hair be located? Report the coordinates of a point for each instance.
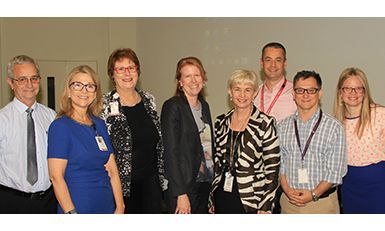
(20, 59)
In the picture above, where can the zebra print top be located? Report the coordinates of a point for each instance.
(257, 163)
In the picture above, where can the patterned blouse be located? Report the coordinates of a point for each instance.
(257, 165)
(121, 139)
(370, 149)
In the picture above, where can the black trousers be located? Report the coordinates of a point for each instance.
(145, 196)
(228, 202)
(277, 204)
(11, 203)
(199, 198)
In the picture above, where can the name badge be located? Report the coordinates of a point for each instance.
(101, 144)
(114, 108)
(303, 177)
(228, 186)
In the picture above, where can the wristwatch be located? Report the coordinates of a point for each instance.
(73, 211)
(314, 196)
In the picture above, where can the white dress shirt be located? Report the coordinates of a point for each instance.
(13, 145)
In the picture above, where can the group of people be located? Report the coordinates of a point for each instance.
(275, 151)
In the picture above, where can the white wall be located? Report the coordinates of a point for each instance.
(64, 40)
(326, 45)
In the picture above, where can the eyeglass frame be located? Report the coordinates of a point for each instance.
(307, 90)
(83, 86)
(351, 89)
(134, 69)
(23, 80)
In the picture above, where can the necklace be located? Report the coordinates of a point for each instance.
(352, 118)
(233, 142)
(125, 102)
(242, 122)
(81, 120)
(196, 108)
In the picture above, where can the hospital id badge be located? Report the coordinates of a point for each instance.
(228, 186)
(101, 144)
(303, 176)
(114, 108)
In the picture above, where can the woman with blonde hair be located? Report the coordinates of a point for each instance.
(81, 164)
(363, 187)
(246, 159)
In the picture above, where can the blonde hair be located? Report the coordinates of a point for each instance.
(243, 76)
(367, 104)
(66, 103)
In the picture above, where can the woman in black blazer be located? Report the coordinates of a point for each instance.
(188, 140)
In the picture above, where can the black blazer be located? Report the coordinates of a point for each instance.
(182, 145)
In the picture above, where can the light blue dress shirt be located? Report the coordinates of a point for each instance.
(326, 158)
(13, 145)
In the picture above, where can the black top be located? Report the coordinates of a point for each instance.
(144, 140)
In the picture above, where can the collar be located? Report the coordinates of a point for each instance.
(276, 87)
(21, 107)
(313, 118)
(254, 112)
(115, 95)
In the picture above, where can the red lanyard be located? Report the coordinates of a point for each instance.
(303, 153)
(262, 107)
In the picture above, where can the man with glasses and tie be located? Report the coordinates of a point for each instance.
(313, 152)
(24, 181)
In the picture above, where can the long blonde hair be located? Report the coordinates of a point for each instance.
(66, 103)
(367, 105)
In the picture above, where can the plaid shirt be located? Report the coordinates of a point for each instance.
(326, 158)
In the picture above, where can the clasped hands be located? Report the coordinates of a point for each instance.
(299, 197)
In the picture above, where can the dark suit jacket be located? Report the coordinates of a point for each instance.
(182, 145)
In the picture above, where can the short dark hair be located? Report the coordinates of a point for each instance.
(274, 45)
(118, 55)
(308, 74)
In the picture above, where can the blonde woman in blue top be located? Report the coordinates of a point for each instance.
(81, 164)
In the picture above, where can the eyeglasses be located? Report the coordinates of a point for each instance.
(357, 90)
(122, 70)
(22, 80)
(310, 91)
(78, 86)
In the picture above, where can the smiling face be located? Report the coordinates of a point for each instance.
(355, 97)
(127, 79)
(81, 99)
(273, 63)
(27, 92)
(307, 102)
(191, 81)
(242, 95)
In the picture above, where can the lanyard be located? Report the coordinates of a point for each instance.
(94, 128)
(309, 138)
(262, 107)
(233, 143)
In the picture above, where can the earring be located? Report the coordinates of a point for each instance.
(180, 88)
